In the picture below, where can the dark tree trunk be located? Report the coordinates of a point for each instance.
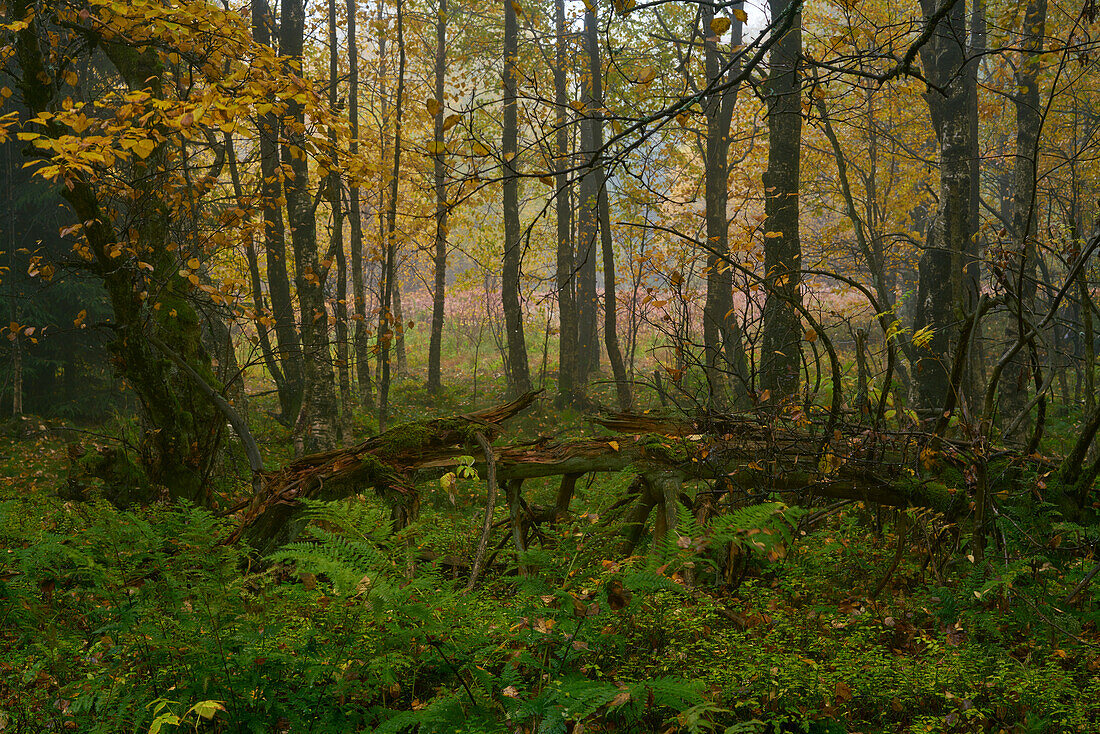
(567, 302)
(599, 175)
(721, 331)
(336, 208)
(943, 278)
(278, 279)
(355, 219)
(519, 378)
(588, 347)
(389, 269)
(1024, 217)
(317, 363)
(435, 343)
(181, 424)
(782, 332)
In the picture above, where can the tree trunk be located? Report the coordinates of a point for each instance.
(563, 202)
(720, 327)
(401, 361)
(17, 376)
(588, 347)
(181, 424)
(942, 274)
(336, 209)
(355, 219)
(782, 332)
(278, 280)
(389, 270)
(1024, 217)
(611, 311)
(519, 378)
(435, 343)
(321, 410)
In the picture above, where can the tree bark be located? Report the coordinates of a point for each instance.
(587, 223)
(435, 343)
(355, 219)
(599, 175)
(519, 377)
(1024, 217)
(336, 209)
(321, 410)
(782, 332)
(389, 269)
(943, 279)
(181, 425)
(278, 279)
(563, 203)
(721, 331)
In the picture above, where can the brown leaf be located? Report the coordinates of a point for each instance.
(618, 596)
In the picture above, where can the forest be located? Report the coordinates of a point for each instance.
(413, 366)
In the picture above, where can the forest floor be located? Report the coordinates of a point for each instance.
(141, 620)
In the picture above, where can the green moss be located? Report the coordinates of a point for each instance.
(934, 494)
(667, 449)
(418, 435)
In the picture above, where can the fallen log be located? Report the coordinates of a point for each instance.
(746, 454)
(386, 462)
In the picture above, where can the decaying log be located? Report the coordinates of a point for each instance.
(746, 454)
(386, 462)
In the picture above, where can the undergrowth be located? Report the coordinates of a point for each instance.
(137, 620)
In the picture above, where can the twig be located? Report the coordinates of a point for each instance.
(1081, 585)
(487, 523)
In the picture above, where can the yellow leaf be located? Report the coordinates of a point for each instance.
(647, 75)
(720, 25)
(451, 121)
(194, 263)
(772, 235)
(614, 445)
(144, 148)
(830, 463)
(437, 147)
(923, 337)
(741, 15)
(433, 106)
